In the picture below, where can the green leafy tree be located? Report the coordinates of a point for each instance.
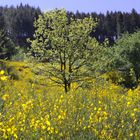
(126, 54)
(67, 45)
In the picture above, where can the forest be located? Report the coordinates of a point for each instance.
(18, 24)
(69, 76)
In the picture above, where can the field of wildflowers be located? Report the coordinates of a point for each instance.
(29, 110)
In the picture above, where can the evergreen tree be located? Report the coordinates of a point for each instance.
(2, 22)
(7, 47)
(19, 22)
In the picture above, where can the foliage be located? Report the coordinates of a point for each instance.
(112, 25)
(32, 111)
(124, 78)
(17, 70)
(126, 54)
(7, 48)
(20, 54)
(18, 22)
(66, 44)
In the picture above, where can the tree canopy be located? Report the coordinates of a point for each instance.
(126, 54)
(67, 45)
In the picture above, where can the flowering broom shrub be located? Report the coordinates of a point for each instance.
(32, 111)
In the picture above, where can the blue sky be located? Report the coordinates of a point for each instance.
(81, 5)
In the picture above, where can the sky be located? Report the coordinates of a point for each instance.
(80, 5)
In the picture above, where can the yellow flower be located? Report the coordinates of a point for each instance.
(99, 102)
(48, 123)
(105, 113)
(5, 97)
(128, 103)
(8, 129)
(43, 127)
(95, 108)
(59, 117)
(49, 128)
(2, 72)
(99, 109)
(85, 127)
(135, 120)
(131, 134)
(132, 114)
(56, 131)
(33, 85)
(61, 96)
(15, 135)
(135, 109)
(3, 78)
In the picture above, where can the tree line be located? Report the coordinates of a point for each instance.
(17, 23)
(113, 24)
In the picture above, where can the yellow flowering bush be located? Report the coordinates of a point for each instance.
(2, 76)
(37, 111)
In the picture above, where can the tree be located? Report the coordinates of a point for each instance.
(7, 48)
(134, 21)
(126, 54)
(19, 23)
(66, 44)
(2, 23)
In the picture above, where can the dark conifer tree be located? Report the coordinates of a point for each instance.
(7, 47)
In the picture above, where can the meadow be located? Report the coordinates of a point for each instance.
(30, 108)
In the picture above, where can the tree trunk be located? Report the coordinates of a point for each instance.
(66, 88)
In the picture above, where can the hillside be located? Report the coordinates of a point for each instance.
(30, 110)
